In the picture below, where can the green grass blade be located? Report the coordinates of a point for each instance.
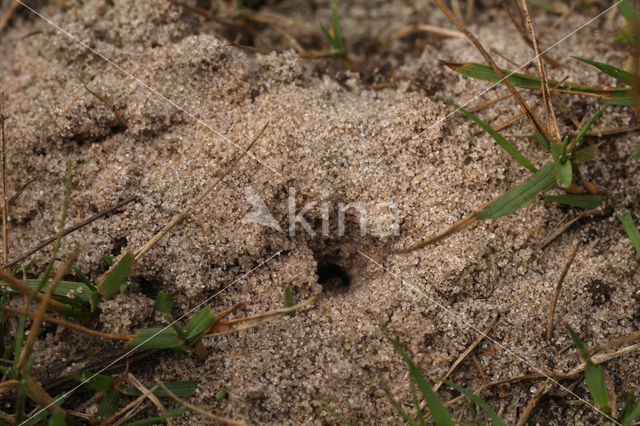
(523, 194)
(619, 74)
(524, 81)
(628, 418)
(336, 27)
(337, 415)
(108, 404)
(585, 129)
(438, 411)
(483, 405)
(222, 394)
(396, 405)
(587, 201)
(117, 276)
(183, 388)
(57, 419)
(154, 420)
(627, 10)
(199, 324)
(542, 141)
(97, 382)
(594, 376)
(155, 338)
(63, 220)
(585, 154)
(505, 144)
(564, 173)
(635, 154)
(164, 302)
(631, 230)
(21, 400)
(584, 353)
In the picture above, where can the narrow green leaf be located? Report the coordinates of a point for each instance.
(117, 276)
(631, 416)
(337, 415)
(631, 230)
(438, 411)
(584, 353)
(483, 405)
(97, 382)
(183, 388)
(108, 404)
(594, 376)
(66, 289)
(164, 302)
(627, 10)
(199, 324)
(83, 278)
(153, 420)
(63, 219)
(585, 129)
(564, 173)
(108, 259)
(585, 154)
(524, 81)
(521, 195)
(635, 154)
(542, 141)
(619, 74)
(505, 144)
(21, 399)
(288, 300)
(222, 393)
(155, 338)
(336, 26)
(588, 201)
(57, 419)
(628, 406)
(396, 406)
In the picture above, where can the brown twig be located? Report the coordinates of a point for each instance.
(110, 105)
(5, 199)
(44, 303)
(598, 211)
(4, 20)
(70, 325)
(198, 409)
(617, 342)
(69, 230)
(19, 192)
(445, 32)
(545, 389)
(554, 302)
(537, 124)
(224, 327)
(23, 288)
(525, 37)
(552, 123)
(185, 212)
(131, 406)
(149, 394)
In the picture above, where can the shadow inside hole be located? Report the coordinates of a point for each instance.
(333, 278)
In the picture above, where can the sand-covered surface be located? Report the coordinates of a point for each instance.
(335, 136)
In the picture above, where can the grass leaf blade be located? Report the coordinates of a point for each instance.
(619, 74)
(483, 405)
(504, 143)
(588, 201)
(523, 194)
(631, 230)
(438, 411)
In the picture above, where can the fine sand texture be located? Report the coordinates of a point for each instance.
(189, 101)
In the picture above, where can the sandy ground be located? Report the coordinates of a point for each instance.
(332, 139)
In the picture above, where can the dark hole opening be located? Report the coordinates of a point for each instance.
(333, 277)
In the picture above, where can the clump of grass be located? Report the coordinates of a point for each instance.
(337, 46)
(437, 410)
(595, 379)
(562, 171)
